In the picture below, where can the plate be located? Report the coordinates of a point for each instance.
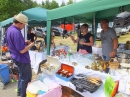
(125, 65)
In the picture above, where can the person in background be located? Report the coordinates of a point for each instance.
(85, 40)
(19, 52)
(31, 36)
(52, 39)
(109, 40)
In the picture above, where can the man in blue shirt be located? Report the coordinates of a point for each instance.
(19, 52)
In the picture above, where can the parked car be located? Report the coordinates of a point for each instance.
(118, 31)
(57, 31)
(90, 29)
(99, 32)
(39, 33)
(129, 28)
(125, 31)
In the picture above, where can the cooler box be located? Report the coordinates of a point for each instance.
(4, 73)
(65, 73)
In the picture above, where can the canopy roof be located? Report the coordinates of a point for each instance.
(36, 16)
(85, 10)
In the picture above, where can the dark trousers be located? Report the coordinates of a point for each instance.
(25, 75)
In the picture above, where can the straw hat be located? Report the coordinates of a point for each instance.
(21, 18)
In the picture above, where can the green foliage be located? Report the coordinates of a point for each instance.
(54, 5)
(9, 8)
(47, 4)
(69, 2)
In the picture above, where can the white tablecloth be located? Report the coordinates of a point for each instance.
(36, 58)
(96, 50)
(80, 68)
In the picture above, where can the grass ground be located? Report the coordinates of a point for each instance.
(68, 41)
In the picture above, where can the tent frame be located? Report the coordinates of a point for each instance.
(98, 9)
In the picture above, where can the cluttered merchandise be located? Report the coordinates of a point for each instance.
(88, 74)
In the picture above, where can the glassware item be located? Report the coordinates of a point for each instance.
(112, 72)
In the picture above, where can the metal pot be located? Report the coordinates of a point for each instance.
(123, 55)
(128, 46)
(123, 60)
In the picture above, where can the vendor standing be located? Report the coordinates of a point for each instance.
(109, 40)
(31, 36)
(85, 40)
(19, 52)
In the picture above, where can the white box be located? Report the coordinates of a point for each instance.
(51, 61)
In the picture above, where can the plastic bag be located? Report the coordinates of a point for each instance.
(109, 86)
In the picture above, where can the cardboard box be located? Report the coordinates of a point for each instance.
(68, 90)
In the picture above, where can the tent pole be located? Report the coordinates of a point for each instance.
(94, 26)
(48, 36)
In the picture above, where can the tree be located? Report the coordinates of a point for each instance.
(63, 3)
(70, 2)
(35, 4)
(47, 4)
(43, 4)
(8, 8)
(54, 5)
(29, 4)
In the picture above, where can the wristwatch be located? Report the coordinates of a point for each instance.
(114, 50)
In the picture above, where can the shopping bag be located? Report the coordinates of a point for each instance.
(109, 86)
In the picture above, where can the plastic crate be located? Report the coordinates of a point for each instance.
(4, 73)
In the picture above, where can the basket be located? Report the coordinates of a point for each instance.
(113, 64)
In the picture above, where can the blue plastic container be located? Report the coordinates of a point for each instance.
(4, 73)
(64, 78)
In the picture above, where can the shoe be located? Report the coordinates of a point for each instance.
(18, 93)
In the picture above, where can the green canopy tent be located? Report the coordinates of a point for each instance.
(36, 16)
(86, 10)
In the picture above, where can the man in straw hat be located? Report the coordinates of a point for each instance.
(19, 52)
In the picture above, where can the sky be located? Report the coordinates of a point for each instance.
(59, 1)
